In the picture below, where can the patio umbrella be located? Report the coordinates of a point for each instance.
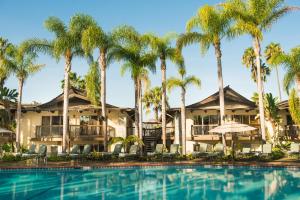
(234, 128)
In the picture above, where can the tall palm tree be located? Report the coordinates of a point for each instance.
(272, 53)
(254, 17)
(23, 65)
(92, 83)
(6, 51)
(291, 63)
(249, 60)
(133, 48)
(7, 96)
(164, 50)
(183, 82)
(213, 25)
(66, 45)
(95, 38)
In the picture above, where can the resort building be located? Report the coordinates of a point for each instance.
(42, 123)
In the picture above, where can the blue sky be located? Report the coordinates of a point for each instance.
(21, 20)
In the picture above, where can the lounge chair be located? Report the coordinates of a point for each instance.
(246, 151)
(117, 150)
(217, 151)
(133, 153)
(174, 151)
(202, 152)
(42, 154)
(158, 150)
(295, 149)
(86, 151)
(31, 152)
(74, 151)
(266, 150)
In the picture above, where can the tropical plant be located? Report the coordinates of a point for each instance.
(291, 63)
(95, 38)
(214, 25)
(152, 99)
(272, 53)
(183, 82)
(22, 66)
(254, 17)
(163, 49)
(76, 81)
(132, 48)
(7, 96)
(249, 60)
(131, 139)
(294, 106)
(6, 51)
(66, 45)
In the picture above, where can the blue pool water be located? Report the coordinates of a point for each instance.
(238, 183)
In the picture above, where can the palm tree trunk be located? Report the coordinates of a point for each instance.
(256, 46)
(140, 110)
(163, 100)
(19, 111)
(218, 54)
(278, 83)
(220, 81)
(136, 107)
(156, 114)
(65, 138)
(103, 97)
(183, 121)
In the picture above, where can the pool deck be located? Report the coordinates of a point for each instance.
(290, 163)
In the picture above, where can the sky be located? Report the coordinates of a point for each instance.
(21, 20)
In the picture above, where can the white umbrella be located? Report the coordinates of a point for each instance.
(232, 127)
(3, 130)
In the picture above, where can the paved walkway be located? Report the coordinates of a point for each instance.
(99, 164)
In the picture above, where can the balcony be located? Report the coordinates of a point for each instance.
(55, 132)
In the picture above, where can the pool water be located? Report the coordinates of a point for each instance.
(152, 183)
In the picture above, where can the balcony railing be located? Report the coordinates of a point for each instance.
(74, 131)
(202, 129)
(170, 131)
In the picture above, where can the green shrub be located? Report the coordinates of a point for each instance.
(8, 157)
(277, 153)
(7, 147)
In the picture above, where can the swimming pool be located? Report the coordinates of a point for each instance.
(186, 182)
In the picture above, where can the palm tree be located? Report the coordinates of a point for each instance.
(152, 98)
(214, 25)
(6, 51)
(92, 83)
(164, 50)
(248, 60)
(183, 82)
(291, 63)
(23, 65)
(95, 38)
(132, 49)
(272, 53)
(254, 19)
(76, 81)
(66, 45)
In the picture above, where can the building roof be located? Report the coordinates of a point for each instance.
(283, 105)
(233, 101)
(77, 101)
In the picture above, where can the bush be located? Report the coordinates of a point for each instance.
(277, 153)
(8, 157)
(7, 147)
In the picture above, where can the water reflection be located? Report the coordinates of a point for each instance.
(152, 183)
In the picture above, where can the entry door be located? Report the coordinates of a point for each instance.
(45, 128)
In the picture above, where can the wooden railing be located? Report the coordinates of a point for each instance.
(170, 131)
(74, 131)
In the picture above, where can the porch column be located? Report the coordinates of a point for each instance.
(177, 128)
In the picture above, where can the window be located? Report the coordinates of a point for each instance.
(289, 120)
(57, 120)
